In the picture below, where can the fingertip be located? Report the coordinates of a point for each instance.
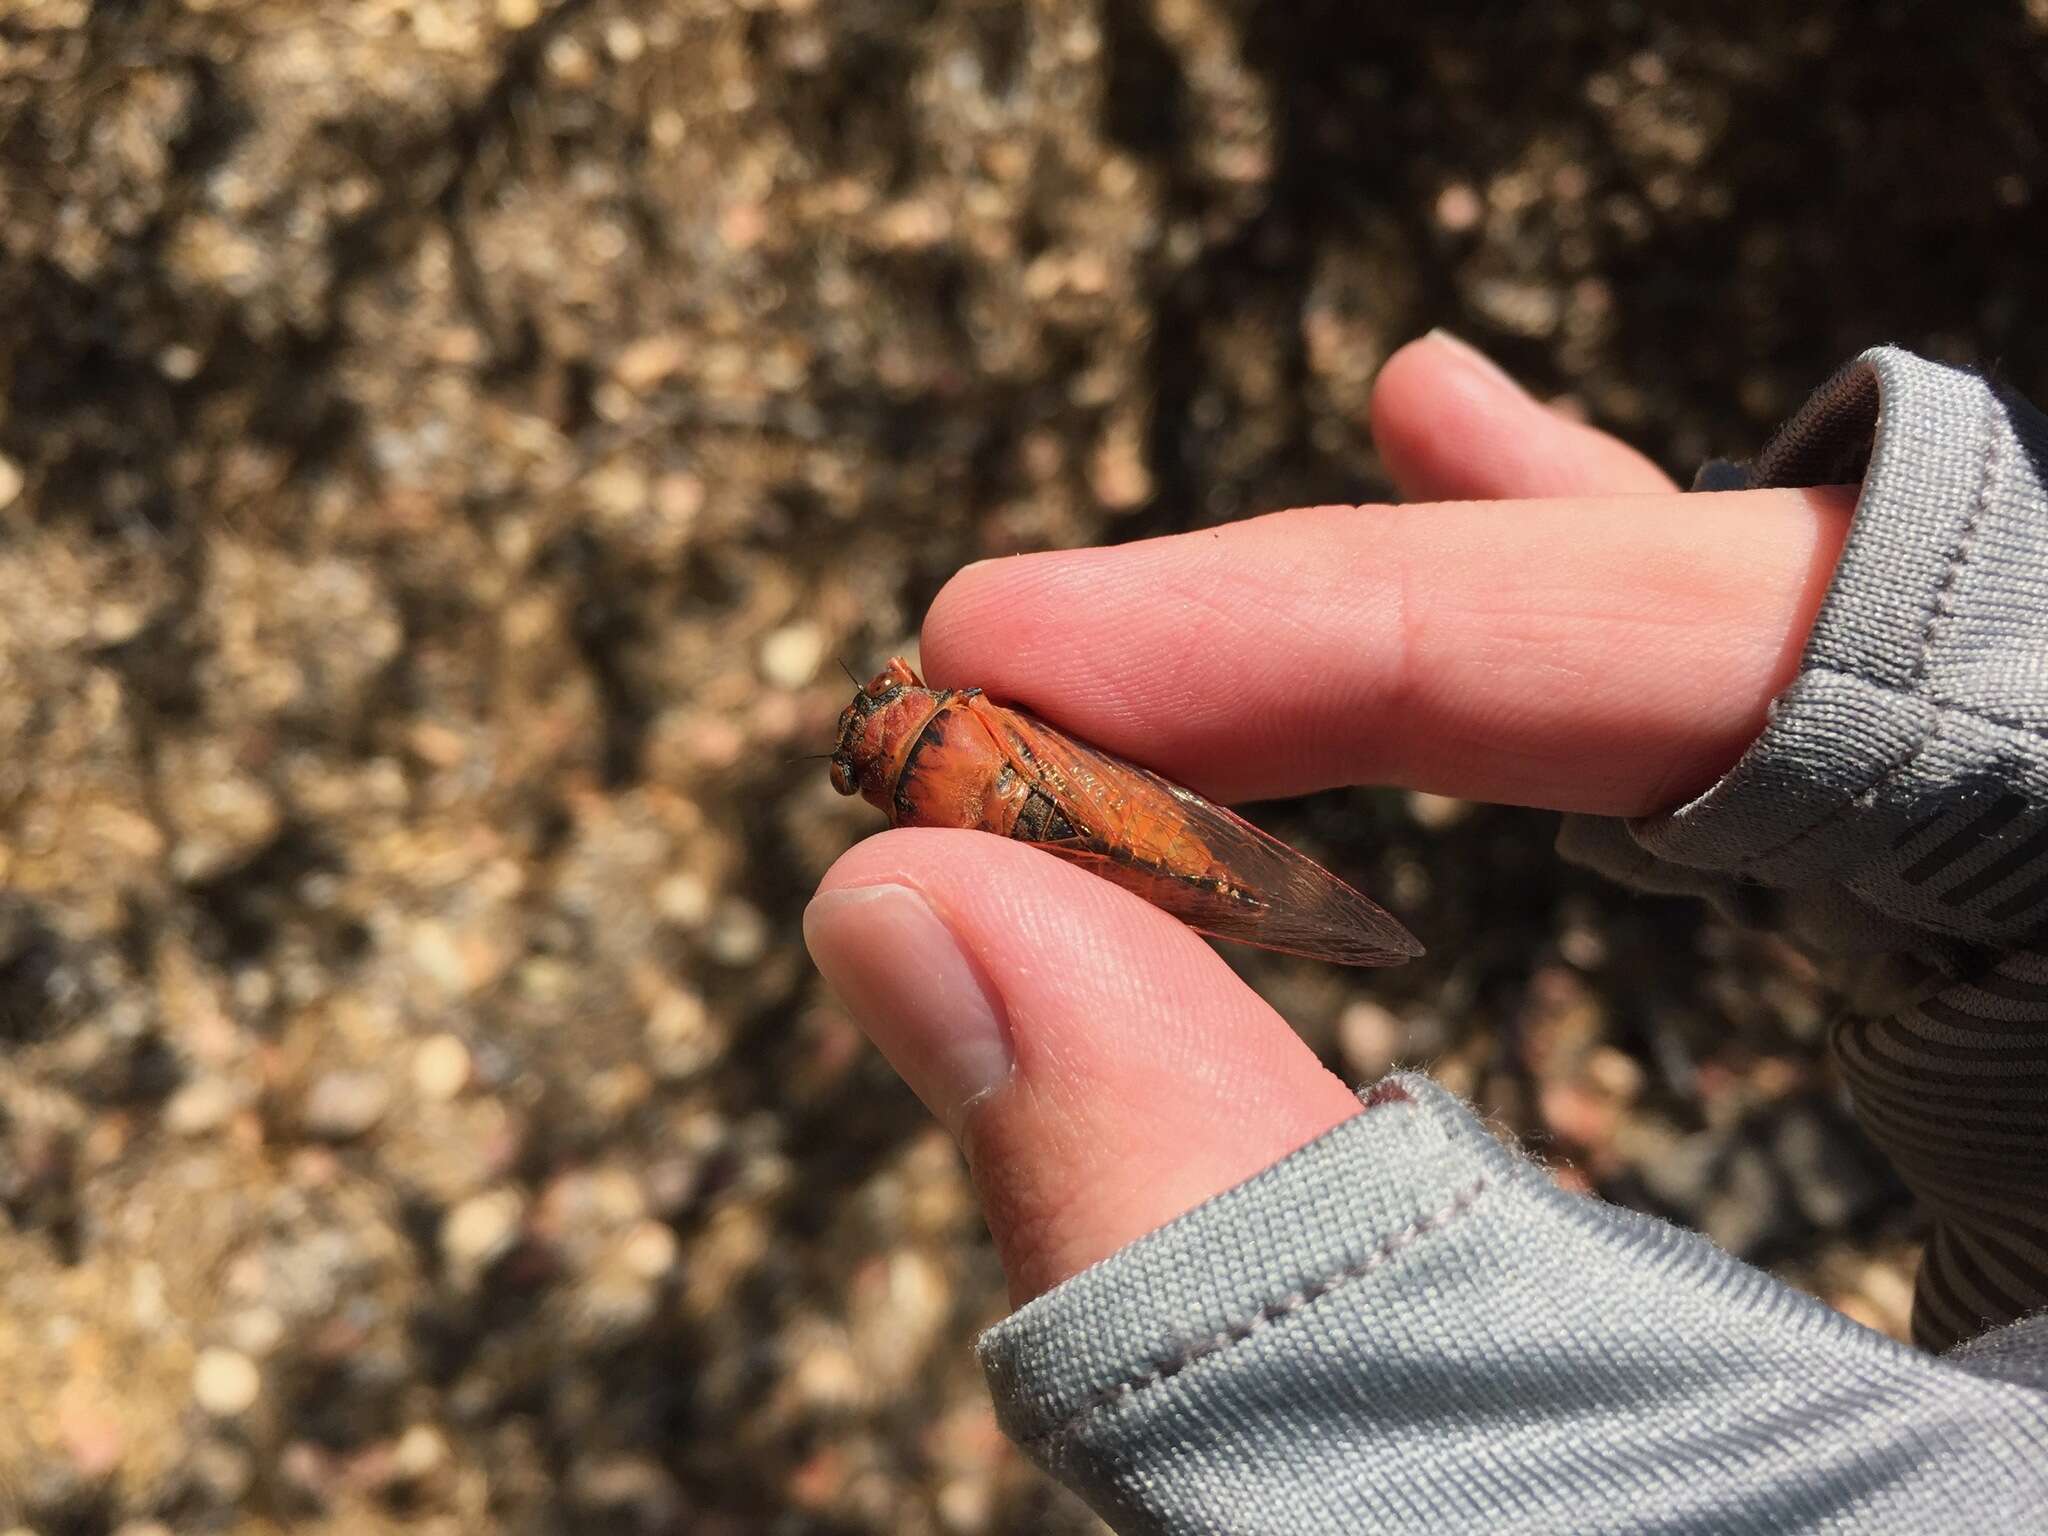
(1423, 381)
(978, 616)
(1434, 365)
(1141, 1076)
(950, 621)
(1451, 424)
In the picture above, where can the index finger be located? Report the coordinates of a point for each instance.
(1611, 654)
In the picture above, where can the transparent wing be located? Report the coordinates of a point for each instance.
(1206, 865)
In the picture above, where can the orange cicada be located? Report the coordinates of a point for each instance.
(954, 758)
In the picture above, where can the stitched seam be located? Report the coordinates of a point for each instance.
(1942, 609)
(1947, 706)
(1275, 1311)
(1858, 801)
(1944, 594)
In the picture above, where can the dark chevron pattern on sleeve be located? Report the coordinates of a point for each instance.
(1955, 1089)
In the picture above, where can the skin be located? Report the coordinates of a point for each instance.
(1545, 623)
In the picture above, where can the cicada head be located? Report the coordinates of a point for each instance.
(876, 731)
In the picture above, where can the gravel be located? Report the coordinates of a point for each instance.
(444, 446)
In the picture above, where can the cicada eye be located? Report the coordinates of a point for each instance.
(842, 776)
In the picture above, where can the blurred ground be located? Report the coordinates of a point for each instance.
(444, 443)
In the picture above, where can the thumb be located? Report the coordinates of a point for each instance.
(1102, 1067)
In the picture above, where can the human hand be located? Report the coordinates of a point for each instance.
(1605, 646)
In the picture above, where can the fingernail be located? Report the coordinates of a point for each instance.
(911, 986)
(1475, 358)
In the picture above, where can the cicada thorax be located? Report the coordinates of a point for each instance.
(960, 773)
(947, 758)
(1000, 770)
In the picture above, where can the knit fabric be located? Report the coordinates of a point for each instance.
(1893, 816)
(1405, 1326)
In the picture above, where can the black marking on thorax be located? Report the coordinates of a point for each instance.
(925, 737)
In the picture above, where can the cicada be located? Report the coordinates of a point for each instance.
(953, 757)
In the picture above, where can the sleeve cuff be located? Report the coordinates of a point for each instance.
(1335, 1212)
(1405, 1326)
(1899, 773)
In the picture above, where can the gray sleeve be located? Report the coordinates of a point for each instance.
(1896, 804)
(1407, 1327)
(1893, 815)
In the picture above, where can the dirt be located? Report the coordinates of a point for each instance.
(443, 446)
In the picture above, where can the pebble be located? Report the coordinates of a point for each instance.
(308, 1470)
(1458, 208)
(1117, 472)
(347, 1104)
(91, 1435)
(257, 1330)
(1435, 813)
(678, 498)
(1888, 1288)
(1582, 1117)
(738, 935)
(422, 1450)
(202, 1105)
(825, 1376)
(10, 482)
(1369, 1037)
(627, 1493)
(618, 490)
(1583, 945)
(791, 656)
(897, 1308)
(624, 41)
(680, 1040)
(224, 1470)
(684, 900)
(482, 1230)
(180, 362)
(582, 1206)
(435, 950)
(226, 1382)
(117, 623)
(966, 1504)
(649, 1250)
(644, 363)
(1521, 307)
(225, 823)
(441, 1067)
(1615, 1073)
(672, 1183)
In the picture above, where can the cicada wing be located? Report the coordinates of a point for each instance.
(1295, 905)
(1206, 865)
